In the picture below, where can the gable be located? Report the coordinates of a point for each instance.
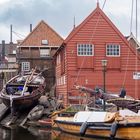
(96, 24)
(98, 28)
(42, 32)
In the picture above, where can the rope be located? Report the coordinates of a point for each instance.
(18, 35)
(93, 33)
(128, 53)
(126, 68)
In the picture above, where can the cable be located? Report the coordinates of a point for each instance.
(131, 24)
(93, 33)
(19, 34)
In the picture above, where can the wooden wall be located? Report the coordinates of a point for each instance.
(98, 30)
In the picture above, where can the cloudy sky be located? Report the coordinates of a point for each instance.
(59, 14)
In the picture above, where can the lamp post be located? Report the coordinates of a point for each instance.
(104, 65)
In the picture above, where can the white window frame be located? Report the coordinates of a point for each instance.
(64, 78)
(25, 66)
(83, 50)
(113, 49)
(58, 59)
(44, 52)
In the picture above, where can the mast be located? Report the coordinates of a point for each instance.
(136, 63)
(11, 37)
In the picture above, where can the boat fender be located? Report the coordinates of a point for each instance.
(83, 128)
(114, 128)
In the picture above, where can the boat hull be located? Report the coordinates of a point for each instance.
(21, 102)
(20, 94)
(124, 131)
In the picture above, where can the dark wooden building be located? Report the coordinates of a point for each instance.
(78, 60)
(37, 49)
(8, 65)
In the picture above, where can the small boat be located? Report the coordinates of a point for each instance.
(101, 124)
(23, 91)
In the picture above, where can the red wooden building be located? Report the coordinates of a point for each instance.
(78, 60)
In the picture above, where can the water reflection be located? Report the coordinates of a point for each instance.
(15, 134)
(66, 136)
(33, 133)
(50, 134)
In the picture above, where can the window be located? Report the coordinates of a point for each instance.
(25, 66)
(112, 50)
(58, 61)
(61, 80)
(14, 51)
(44, 52)
(85, 50)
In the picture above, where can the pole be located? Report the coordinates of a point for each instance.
(11, 36)
(104, 83)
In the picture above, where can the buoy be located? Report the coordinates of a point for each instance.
(83, 128)
(114, 128)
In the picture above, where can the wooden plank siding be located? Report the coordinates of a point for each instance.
(98, 30)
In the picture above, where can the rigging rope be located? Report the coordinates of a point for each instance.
(128, 53)
(18, 35)
(93, 33)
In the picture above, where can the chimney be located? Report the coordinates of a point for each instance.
(3, 49)
(30, 27)
(74, 23)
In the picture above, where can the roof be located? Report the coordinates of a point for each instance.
(134, 42)
(102, 14)
(42, 32)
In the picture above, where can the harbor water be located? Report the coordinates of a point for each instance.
(33, 133)
(37, 133)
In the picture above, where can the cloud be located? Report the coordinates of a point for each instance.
(4, 33)
(59, 14)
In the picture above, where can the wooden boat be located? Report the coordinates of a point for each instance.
(101, 124)
(121, 101)
(23, 91)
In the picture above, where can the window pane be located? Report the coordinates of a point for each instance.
(44, 52)
(85, 49)
(25, 66)
(113, 50)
